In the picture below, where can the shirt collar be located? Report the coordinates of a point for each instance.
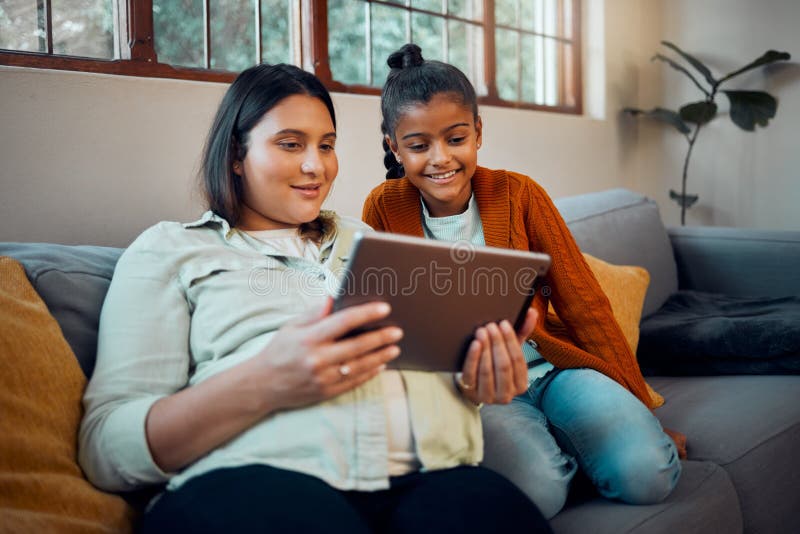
(209, 218)
(465, 215)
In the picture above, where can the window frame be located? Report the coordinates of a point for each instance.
(134, 42)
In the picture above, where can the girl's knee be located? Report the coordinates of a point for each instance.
(646, 477)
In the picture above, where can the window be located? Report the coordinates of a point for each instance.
(520, 53)
(449, 31)
(74, 28)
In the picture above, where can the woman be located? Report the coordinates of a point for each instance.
(222, 371)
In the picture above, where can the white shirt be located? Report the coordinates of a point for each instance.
(190, 301)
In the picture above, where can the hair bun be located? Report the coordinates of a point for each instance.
(409, 55)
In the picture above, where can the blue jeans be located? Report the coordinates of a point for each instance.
(579, 417)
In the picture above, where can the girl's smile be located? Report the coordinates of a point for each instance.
(443, 178)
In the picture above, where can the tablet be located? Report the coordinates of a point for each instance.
(440, 292)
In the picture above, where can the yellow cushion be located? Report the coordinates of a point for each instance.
(42, 488)
(625, 286)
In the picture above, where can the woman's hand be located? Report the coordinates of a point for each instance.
(304, 363)
(494, 370)
(307, 362)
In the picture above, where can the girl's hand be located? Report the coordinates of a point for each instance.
(495, 371)
(306, 362)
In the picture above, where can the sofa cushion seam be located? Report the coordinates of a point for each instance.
(607, 211)
(751, 449)
(677, 237)
(702, 483)
(39, 273)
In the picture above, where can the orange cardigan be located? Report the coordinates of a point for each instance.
(517, 213)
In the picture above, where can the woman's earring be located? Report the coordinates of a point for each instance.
(399, 159)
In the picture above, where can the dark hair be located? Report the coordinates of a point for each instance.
(414, 80)
(252, 94)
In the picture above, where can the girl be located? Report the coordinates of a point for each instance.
(214, 377)
(587, 404)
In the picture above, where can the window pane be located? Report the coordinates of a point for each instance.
(430, 5)
(532, 69)
(427, 32)
(179, 32)
(18, 27)
(507, 63)
(466, 52)
(232, 34)
(505, 12)
(388, 34)
(83, 28)
(568, 22)
(551, 72)
(347, 41)
(276, 31)
(527, 15)
(551, 17)
(468, 9)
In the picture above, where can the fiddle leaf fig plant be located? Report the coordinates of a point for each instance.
(747, 108)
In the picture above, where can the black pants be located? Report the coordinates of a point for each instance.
(259, 498)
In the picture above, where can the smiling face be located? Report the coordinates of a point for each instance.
(289, 166)
(437, 143)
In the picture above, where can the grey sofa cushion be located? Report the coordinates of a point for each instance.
(698, 333)
(624, 228)
(703, 501)
(72, 281)
(738, 262)
(749, 425)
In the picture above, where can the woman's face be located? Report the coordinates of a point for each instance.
(289, 166)
(437, 144)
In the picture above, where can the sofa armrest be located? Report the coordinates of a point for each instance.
(737, 261)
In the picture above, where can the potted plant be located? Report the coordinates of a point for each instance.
(747, 108)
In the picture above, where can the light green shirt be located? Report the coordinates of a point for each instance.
(188, 301)
(467, 227)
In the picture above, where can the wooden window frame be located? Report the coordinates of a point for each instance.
(134, 42)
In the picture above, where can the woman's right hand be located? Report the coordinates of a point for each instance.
(307, 361)
(301, 365)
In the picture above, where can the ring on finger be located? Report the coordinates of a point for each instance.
(344, 370)
(460, 381)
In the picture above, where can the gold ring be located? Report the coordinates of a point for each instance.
(344, 370)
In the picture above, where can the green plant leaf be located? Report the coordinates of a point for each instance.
(749, 108)
(696, 63)
(662, 115)
(685, 201)
(680, 68)
(770, 56)
(699, 112)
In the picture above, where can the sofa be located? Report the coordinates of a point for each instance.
(743, 427)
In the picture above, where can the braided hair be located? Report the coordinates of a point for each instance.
(414, 80)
